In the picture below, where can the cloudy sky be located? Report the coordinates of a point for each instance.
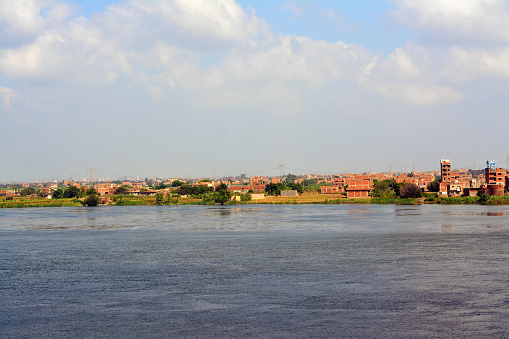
(186, 87)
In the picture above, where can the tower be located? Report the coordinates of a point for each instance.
(445, 170)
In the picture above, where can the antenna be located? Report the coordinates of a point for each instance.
(281, 167)
(91, 170)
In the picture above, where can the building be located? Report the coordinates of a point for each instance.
(495, 179)
(445, 170)
(332, 189)
(358, 188)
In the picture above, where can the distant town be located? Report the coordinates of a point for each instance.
(445, 182)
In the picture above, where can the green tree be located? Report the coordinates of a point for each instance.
(28, 191)
(290, 178)
(308, 182)
(433, 186)
(410, 190)
(177, 183)
(222, 195)
(246, 197)
(73, 192)
(298, 187)
(379, 188)
(57, 194)
(483, 198)
(159, 199)
(274, 189)
(396, 186)
(121, 190)
(91, 200)
(91, 191)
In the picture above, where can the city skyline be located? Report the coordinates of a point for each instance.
(185, 88)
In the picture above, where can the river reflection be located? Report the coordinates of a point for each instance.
(422, 218)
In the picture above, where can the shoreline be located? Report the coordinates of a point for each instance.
(306, 199)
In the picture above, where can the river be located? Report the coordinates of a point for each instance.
(255, 271)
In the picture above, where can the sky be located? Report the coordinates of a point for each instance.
(203, 88)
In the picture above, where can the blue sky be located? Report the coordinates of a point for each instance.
(183, 88)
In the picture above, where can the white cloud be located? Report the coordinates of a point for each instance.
(21, 21)
(158, 47)
(416, 93)
(7, 94)
(294, 9)
(462, 65)
(468, 22)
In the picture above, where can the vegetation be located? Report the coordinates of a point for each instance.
(274, 189)
(57, 194)
(91, 200)
(410, 190)
(188, 190)
(21, 202)
(433, 186)
(73, 192)
(222, 194)
(122, 189)
(28, 191)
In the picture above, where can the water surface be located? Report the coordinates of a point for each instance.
(264, 271)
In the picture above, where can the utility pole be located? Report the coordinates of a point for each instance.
(91, 170)
(281, 167)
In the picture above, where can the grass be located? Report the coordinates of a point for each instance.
(22, 202)
(328, 199)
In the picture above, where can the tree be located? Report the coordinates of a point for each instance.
(290, 178)
(27, 191)
(298, 187)
(483, 198)
(57, 194)
(379, 188)
(410, 190)
(396, 186)
(246, 197)
(222, 194)
(433, 186)
(91, 191)
(186, 189)
(159, 199)
(72, 192)
(91, 200)
(177, 183)
(121, 190)
(274, 189)
(308, 182)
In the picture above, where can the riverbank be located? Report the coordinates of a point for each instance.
(126, 200)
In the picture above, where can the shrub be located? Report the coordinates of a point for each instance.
(245, 197)
(91, 200)
(410, 190)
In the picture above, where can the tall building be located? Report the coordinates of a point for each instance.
(494, 175)
(495, 179)
(445, 170)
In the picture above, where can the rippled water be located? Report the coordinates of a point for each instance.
(265, 271)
